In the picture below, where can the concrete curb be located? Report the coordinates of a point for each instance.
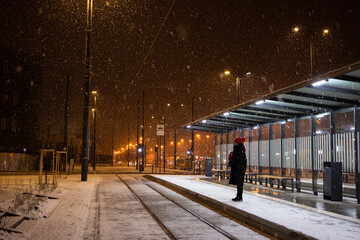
(257, 222)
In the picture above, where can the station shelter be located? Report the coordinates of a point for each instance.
(293, 131)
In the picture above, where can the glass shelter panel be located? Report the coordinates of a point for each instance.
(245, 134)
(223, 151)
(264, 149)
(304, 147)
(288, 143)
(322, 141)
(344, 145)
(230, 145)
(275, 149)
(254, 150)
(217, 151)
(237, 133)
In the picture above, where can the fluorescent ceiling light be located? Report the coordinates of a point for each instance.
(319, 83)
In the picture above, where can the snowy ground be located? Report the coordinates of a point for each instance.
(311, 221)
(61, 218)
(71, 212)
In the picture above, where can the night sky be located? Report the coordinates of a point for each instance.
(198, 41)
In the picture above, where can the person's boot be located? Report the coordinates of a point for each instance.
(237, 199)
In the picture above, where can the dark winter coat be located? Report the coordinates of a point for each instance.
(238, 167)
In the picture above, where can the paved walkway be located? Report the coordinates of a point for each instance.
(348, 207)
(314, 221)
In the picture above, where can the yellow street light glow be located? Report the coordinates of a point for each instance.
(179, 143)
(130, 144)
(296, 29)
(162, 146)
(207, 136)
(326, 31)
(182, 140)
(94, 92)
(198, 135)
(227, 72)
(168, 104)
(172, 143)
(189, 140)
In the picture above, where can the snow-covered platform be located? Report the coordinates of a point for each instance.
(307, 218)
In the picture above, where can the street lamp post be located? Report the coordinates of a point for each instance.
(164, 147)
(175, 148)
(192, 136)
(311, 47)
(128, 146)
(94, 110)
(86, 128)
(137, 135)
(143, 163)
(237, 84)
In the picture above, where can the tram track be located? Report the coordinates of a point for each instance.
(166, 230)
(162, 222)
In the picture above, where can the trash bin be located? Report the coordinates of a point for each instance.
(333, 181)
(208, 167)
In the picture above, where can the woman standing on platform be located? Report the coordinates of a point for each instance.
(238, 167)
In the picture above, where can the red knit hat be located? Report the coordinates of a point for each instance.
(240, 140)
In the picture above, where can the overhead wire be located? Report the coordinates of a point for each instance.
(161, 87)
(152, 44)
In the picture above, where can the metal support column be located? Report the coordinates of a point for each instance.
(86, 127)
(282, 133)
(226, 149)
(128, 158)
(332, 131)
(259, 150)
(270, 138)
(215, 148)
(314, 175)
(250, 145)
(297, 169)
(137, 135)
(175, 148)
(143, 163)
(221, 151)
(164, 145)
(357, 158)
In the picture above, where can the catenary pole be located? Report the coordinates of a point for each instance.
(86, 127)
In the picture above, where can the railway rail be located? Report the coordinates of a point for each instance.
(187, 217)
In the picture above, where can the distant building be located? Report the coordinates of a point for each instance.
(20, 95)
